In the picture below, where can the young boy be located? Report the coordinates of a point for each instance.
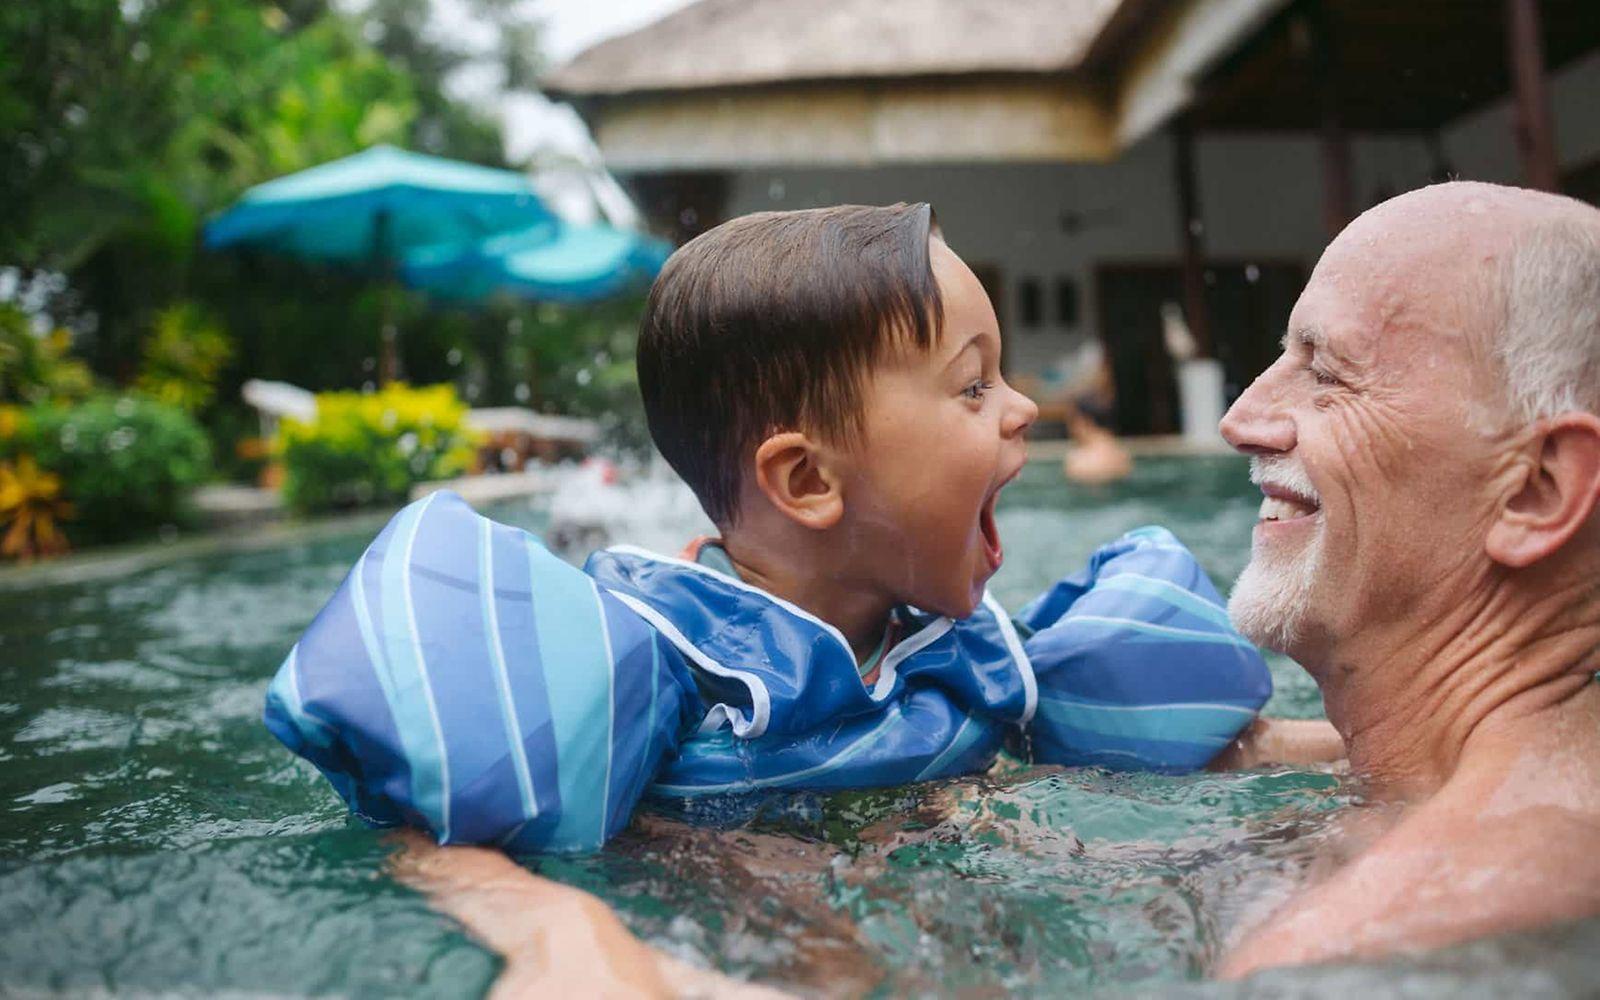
(828, 383)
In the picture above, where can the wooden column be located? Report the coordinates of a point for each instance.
(1338, 190)
(1535, 133)
(1191, 238)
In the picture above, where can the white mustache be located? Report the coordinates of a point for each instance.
(1285, 473)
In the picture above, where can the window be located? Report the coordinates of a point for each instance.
(1030, 303)
(1066, 302)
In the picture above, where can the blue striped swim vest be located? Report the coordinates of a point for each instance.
(466, 681)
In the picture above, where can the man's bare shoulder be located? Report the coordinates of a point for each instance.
(1443, 874)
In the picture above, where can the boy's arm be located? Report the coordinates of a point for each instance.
(1281, 741)
(1136, 663)
(556, 940)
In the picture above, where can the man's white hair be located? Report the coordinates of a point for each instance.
(1549, 350)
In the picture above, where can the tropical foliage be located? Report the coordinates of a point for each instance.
(183, 356)
(36, 367)
(124, 124)
(581, 361)
(31, 511)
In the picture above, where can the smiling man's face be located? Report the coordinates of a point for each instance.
(1376, 435)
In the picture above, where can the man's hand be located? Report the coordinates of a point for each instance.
(1281, 741)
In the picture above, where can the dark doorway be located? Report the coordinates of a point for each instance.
(1249, 305)
(1130, 299)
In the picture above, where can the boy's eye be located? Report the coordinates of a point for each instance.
(977, 389)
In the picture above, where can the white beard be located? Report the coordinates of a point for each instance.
(1272, 598)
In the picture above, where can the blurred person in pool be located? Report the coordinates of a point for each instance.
(1428, 447)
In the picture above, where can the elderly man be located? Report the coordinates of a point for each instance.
(1429, 549)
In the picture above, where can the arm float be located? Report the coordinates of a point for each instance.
(1137, 663)
(465, 681)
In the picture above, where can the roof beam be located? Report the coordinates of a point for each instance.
(1172, 58)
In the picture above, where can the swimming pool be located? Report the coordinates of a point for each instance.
(157, 839)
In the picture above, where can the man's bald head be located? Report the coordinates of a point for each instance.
(1513, 271)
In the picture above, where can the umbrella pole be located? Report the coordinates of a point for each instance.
(388, 335)
(389, 346)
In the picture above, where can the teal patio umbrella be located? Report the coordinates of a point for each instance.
(551, 262)
(370, 209)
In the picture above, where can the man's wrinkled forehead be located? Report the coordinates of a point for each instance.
(1412, 274)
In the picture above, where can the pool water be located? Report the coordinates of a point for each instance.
(156, 838)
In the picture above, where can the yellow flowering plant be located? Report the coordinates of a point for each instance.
(369, 448)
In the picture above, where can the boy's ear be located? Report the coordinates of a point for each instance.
(792, 474)
(1557, 496)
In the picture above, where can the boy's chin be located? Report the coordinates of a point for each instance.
(954, 605)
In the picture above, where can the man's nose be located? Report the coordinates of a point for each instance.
(1258, 422)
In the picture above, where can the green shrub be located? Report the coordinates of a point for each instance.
(126, 463)
(369, 448)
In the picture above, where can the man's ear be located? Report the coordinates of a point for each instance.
(793, 472)
(1556, 498)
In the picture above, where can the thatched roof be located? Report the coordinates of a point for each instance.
(738, 43)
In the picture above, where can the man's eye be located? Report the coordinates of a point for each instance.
(977, 389)
(1322, 377)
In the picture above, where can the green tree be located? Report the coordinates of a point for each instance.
(142, 116)
(146, 117)
(125, 123)
(399, 29)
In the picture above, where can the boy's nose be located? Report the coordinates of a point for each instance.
(1020, 415)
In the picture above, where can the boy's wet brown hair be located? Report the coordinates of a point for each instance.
(770, 322)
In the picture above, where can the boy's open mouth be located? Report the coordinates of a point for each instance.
(991, 534)
(992, 549)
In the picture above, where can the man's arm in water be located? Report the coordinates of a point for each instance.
(1281, 741)
(556, 940)
(1443, 876)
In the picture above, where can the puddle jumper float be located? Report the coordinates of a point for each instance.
(466, 681)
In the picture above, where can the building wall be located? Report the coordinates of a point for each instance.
(1261, 198)
(1479, 145)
